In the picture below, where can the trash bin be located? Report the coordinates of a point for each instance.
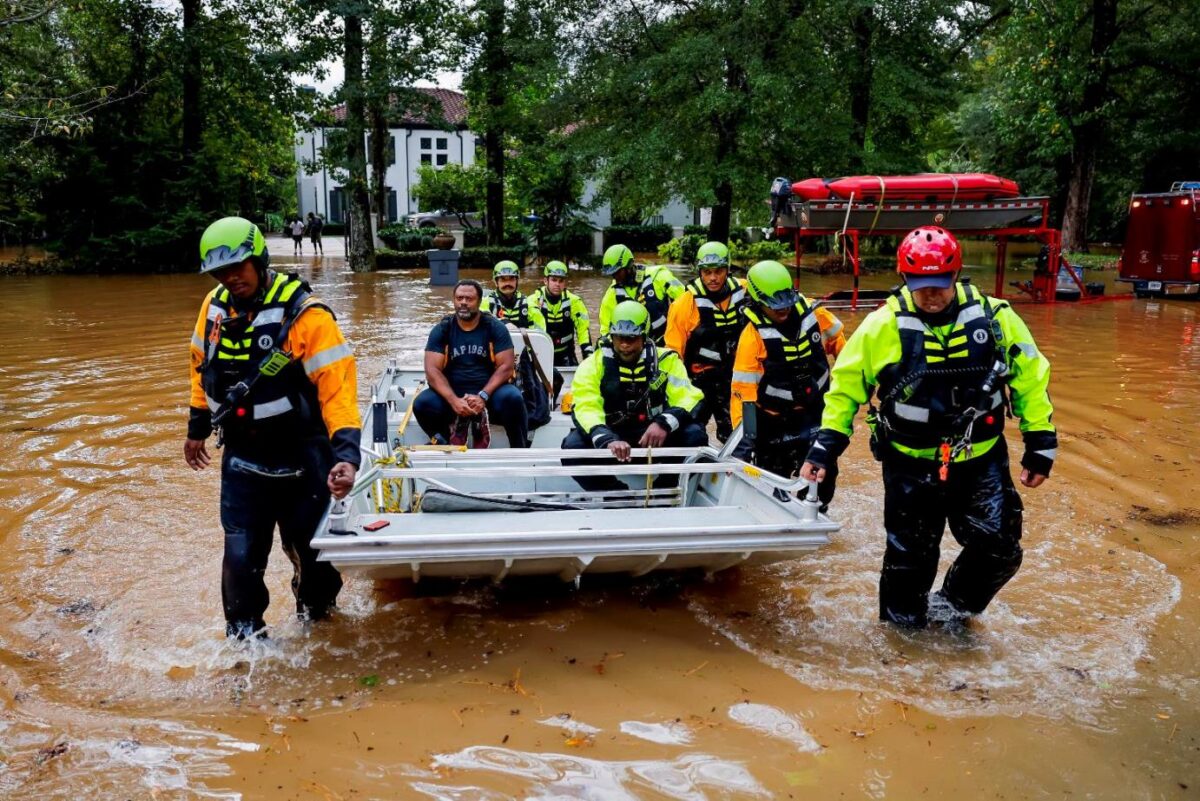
(443, 267)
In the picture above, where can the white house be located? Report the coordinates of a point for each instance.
(413, 141)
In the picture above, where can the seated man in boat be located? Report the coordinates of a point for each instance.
(507, 303)
(631, 393)
(655, 287)
(565, 316)
(781, 372)
(946, 364)
(468, 365)
(703, 325)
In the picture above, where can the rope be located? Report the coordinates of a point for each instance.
(879, 203)
(845, 224)
(649, 478)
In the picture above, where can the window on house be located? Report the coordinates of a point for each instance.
(392, 212)
(426, 158)
(442, 144)
(426, 143)
(389, 149)
(656, 220)
(441, 159)
(337, 205)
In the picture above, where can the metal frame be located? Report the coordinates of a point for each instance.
(1040, 290)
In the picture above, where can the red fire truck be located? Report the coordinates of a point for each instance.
(1162, 242)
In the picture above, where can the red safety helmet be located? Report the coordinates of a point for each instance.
(929, 257)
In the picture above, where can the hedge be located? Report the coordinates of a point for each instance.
(484, 257)
(641, 238)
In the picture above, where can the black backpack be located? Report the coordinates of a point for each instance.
(534, 386)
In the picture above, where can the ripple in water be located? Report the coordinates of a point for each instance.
(691, 777)
(1062, 640)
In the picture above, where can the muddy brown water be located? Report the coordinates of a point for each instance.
(116, 682)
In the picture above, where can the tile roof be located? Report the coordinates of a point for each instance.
(454, 109)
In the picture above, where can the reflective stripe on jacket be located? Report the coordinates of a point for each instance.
(519, 312)
(704, 330)
(566, 321)
(655, 287)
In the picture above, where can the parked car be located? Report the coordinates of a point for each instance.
(441, 218)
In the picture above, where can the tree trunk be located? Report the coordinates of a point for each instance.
(1090, 131)
(861, 76)
(494, 68)
(361, 253)
(726, 127)
(193, 117)
(378, 102)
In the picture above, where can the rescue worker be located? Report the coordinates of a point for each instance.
(946, 364)
(781, 373)
(469, 364)
(655, 287)
(274, 375)
(565, 316)
(506, 302)
(703, 325)
(629, 393)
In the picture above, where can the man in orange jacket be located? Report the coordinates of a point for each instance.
(273, 374)
(703, 325)
(781, 373)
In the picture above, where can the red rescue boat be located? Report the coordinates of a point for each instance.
(926, 187)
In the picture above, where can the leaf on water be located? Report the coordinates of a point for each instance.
(580, 741)
(801, 778)
(1163, 716)
(369, 681)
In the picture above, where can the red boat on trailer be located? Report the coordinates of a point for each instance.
(927, 187)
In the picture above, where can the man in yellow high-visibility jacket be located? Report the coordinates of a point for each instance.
(653, 286)
(945, 364)
(630, 391)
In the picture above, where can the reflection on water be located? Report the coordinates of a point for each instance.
(115, 679)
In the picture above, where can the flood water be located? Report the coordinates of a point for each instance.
(116, 681)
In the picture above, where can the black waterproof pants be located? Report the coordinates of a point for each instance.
(686, 436)
(784, 453)
(256, 496)
(715, 384)
(506, 406)
(983, 508)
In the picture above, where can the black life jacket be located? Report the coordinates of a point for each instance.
(281, 399)
(922, 398)
(714, 341)
(796, 370)
(645, 294)
(560, 321)
(633, 393)
(516, 313)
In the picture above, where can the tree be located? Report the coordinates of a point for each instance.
(455, 188)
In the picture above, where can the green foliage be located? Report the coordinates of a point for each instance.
(682, 250)
(488, 255)
(455, 188)
(516, 234)
(389, 259)
(399, 236)
(639, 238)
(698, 230)
(763, 250)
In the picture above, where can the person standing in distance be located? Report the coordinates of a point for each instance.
(946, 364)
(273, 374)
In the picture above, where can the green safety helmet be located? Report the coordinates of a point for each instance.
(630, 319)
(616, 258)
(230, 241)
(555, 268)
(712, 255)
(770, 283)
(506, 268)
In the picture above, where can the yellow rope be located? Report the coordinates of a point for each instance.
(878, 203)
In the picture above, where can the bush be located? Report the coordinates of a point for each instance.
(399, 236)
(641, 238)
(333, 229)
(698, 230)
(515, 235)
(487, 256)
(767, 249)
(681, 250)
(386, 259)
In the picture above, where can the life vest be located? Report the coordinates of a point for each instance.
(281, 399)
(714, 341)
(646, 294)
(633, 393)
(922, 398)
(796, 369)
(560, 321)
(517, 313)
